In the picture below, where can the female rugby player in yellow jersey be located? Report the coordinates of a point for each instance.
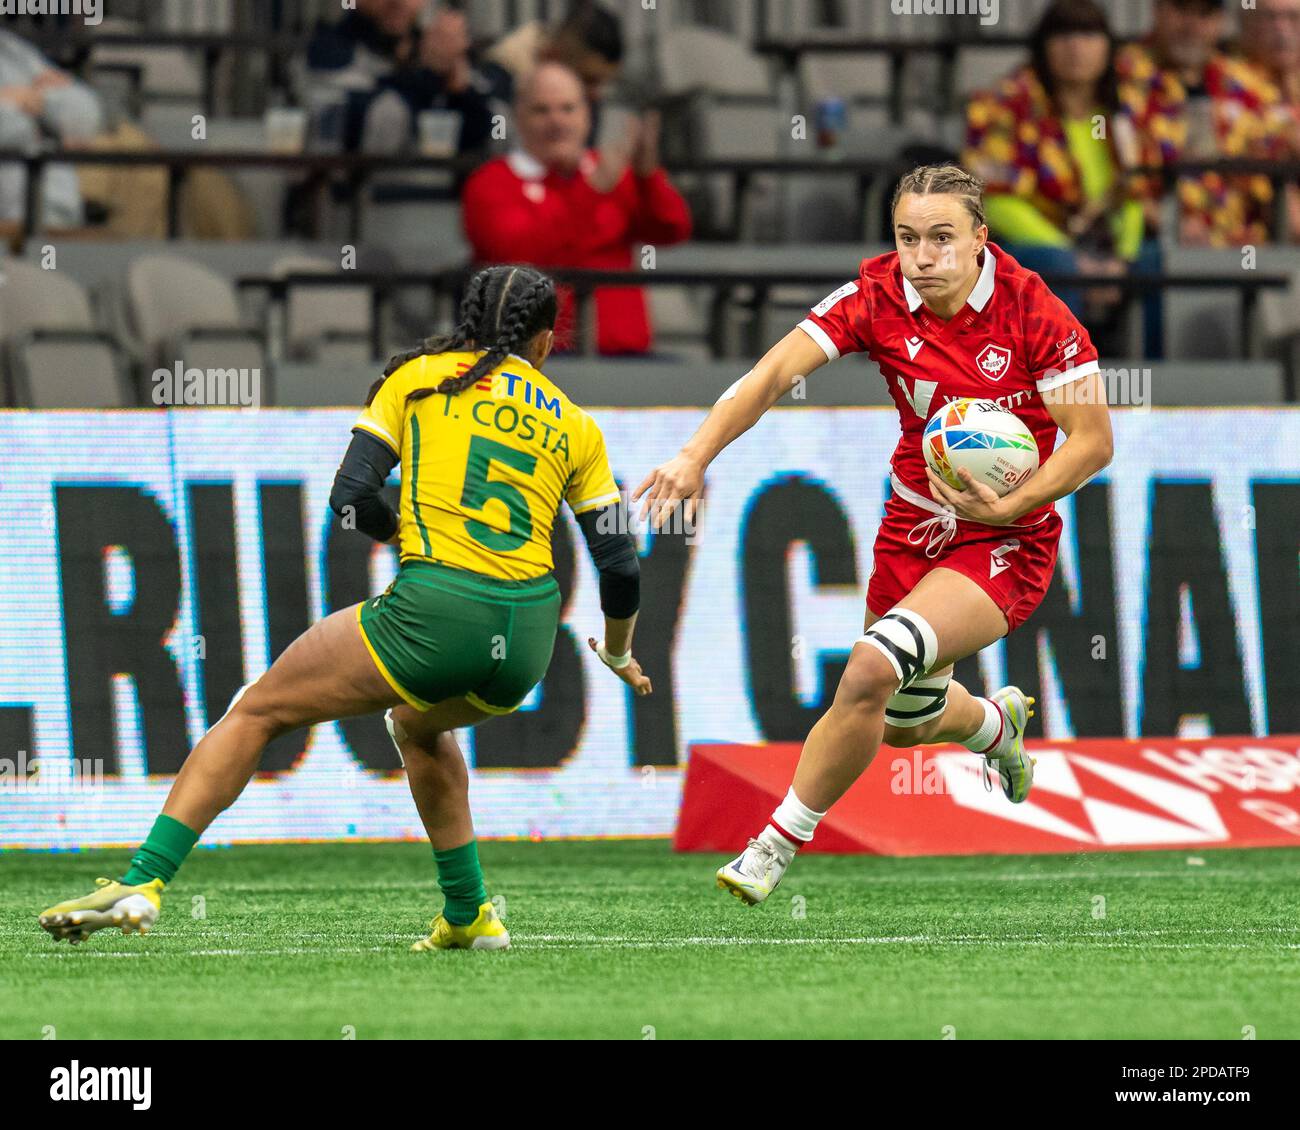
(489, 449)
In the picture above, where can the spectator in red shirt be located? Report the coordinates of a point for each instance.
(554, 203)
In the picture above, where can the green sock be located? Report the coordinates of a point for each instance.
(161, 855)
(461, 880)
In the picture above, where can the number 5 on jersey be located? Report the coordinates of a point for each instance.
(479, 489)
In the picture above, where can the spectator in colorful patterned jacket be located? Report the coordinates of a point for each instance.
(1056, 144)
(1201, 104)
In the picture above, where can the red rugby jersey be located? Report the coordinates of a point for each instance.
(1013, 340)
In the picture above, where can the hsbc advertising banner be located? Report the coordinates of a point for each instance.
(1089, 795)
(151, 563)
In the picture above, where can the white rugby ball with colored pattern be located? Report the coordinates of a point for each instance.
(993, 444)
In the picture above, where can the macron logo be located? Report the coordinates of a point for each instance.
(996, 563)
(913, 346)
(102, 1084)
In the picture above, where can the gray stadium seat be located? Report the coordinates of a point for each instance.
(32, 298)
(693, 59)
(679, 318)
(56, 357)
(167, 72)
(982, 68)
(1202, 324)
(183, 311)
(420, 234)
(61, 372)
(298, 384)
(171, 124)
(742, 129)
(324, 323)
(816, 19)
(859, 77)
(198, 15)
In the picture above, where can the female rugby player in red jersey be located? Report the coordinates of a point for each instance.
(946, 315)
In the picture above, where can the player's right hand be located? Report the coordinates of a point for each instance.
(677, 482)
(632, 674)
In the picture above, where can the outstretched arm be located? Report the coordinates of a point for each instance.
(613, 551)
(681, 479)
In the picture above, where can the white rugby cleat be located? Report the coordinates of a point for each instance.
(755, 872)
(1015, 767)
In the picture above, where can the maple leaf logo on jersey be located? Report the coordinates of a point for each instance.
(993, 361)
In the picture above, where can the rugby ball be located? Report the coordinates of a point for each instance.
(992, 443)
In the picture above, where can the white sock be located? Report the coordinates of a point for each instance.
(793, 822)
(988, 738)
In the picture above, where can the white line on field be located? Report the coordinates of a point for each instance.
(684, 943)
(1125, 939)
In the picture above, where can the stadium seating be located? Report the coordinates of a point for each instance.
(331, 325)
(55, 356)
(185, 312)
(330, 383)
(729, 75)
(1207, 323)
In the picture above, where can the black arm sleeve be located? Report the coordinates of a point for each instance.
(614, 552)
(360, 478)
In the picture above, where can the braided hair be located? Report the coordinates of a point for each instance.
(503, 309)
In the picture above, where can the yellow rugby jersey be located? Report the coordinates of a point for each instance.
(484, 471)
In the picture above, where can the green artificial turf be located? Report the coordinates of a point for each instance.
(627, 940)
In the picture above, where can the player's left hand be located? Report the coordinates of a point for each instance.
(631, 674)
(977, 503)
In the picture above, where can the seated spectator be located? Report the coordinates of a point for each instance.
(589, 41)
(1055, 144)
(1270, 40)
(39, 102)
(555, 203)
(1201, 104)
(378, 58)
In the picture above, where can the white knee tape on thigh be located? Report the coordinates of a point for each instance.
(924, 700)
(907, 641)
(396, 732)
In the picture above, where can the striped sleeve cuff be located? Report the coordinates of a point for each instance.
(366, 424)
(821, 337)
(1055, 380)
(581, 506)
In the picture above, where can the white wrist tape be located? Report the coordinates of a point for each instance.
(618, 662)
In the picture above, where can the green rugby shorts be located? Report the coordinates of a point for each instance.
(439, 632)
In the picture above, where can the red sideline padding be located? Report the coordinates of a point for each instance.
(1089, 795)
